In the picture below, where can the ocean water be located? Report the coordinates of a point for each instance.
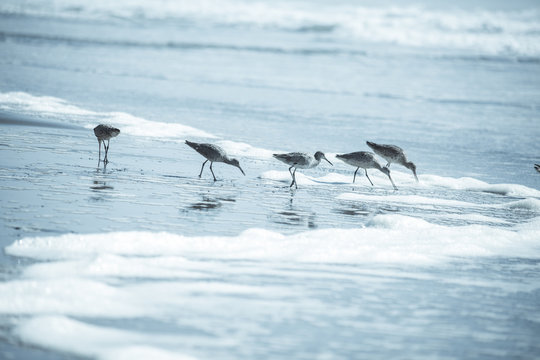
(142, 259)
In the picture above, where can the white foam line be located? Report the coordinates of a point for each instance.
(410, 237)
(59, 293)
(242, 149)
(470, 184)
(40, 106)
(76, 337)
(406, 180)
(467, 217)
(415, 200)
(303, 179)
(407, 199)
(525, 204)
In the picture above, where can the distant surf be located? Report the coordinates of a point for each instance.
(512, 33)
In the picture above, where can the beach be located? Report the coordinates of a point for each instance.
(141, 258)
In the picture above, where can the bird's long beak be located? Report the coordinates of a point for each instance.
(416, 177)
(242, 170)
(324, 157)
(392, 181)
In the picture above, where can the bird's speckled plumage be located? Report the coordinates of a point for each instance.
(365, 160)
(105, 132)
(213, 153)
(299, 160)
(393, 154)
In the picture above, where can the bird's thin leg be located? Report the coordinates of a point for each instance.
(106, 149)
(368, 177)
(354, 177)
(294, 178)
(202, 167)
(292, 175)
(211, 163)
(99, 156)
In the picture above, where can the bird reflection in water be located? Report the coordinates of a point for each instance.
(209, 203)
(352, 209)
(99, 186)
(291, 215)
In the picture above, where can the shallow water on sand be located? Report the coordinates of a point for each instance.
(142, 259)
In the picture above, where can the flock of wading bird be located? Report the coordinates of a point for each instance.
(296, 160)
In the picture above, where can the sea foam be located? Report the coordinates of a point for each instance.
(40, 107)
(76, 337)
(470, 184)
(52, 107)
(525, 204)
(242, 149)
(412, 200)
(404, 237)
(405, 180)
(175, 268)
(164, 277)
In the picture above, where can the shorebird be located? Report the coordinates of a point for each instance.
(301, 161)
(393, 154)
(537, 167)
(365, 160)
(105, 132)
(213, 153)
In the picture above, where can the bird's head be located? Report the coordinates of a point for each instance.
(320, 155)
(236, 163)
(410, 165)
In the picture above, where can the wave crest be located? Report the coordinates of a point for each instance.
(491, 32)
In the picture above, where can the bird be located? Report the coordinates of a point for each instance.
(393, 154)
(105, 132)
(537, 167)
(213, 153)
(301, 161)
(365, 160)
